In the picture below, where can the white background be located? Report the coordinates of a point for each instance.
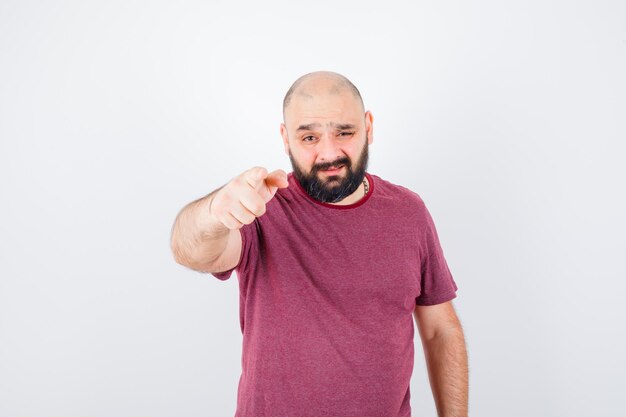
(507, 118)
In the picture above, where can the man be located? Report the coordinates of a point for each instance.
(333, 263)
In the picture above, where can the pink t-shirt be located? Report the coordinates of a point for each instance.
(327, 294)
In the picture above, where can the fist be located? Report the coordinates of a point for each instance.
(244, 198)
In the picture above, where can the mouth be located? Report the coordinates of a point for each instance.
(333, 170)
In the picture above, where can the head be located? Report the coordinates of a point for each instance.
(325, 126)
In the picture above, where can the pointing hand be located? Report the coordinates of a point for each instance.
(244, 198)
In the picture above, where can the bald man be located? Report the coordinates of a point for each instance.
(333, 264)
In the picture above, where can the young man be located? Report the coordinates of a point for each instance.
(333, 263)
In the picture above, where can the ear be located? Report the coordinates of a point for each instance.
(283, 133)
(369, 127)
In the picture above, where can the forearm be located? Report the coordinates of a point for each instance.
(446, 359)
(198, 238)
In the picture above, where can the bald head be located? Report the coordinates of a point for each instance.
(318, 83)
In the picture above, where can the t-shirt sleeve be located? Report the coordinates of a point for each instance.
(249, 245)
(436, 281)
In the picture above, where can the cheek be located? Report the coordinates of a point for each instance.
(353, 152)
(306, 157)
(303, 158)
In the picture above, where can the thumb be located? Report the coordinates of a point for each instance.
(277, 178)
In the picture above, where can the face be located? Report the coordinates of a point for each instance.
(327, 139)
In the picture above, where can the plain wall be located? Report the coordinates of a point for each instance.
(507, 118)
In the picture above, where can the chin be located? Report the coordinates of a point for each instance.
(332, 182)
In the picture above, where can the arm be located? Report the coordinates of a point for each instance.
(446, 357)
(201, 242)
(205, 235)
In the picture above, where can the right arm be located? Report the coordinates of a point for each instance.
(205, 235)
(201, 242)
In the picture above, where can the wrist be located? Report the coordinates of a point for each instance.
(209, 225)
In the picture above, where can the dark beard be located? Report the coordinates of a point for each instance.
(334, 188)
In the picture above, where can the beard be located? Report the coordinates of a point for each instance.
(333, 188)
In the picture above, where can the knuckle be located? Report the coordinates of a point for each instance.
(237, 182)
(258, 170)
(260, 209)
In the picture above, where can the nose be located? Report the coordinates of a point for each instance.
(328, 150)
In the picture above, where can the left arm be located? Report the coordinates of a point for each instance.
(446, 357)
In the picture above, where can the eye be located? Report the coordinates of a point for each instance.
(346, 133)
(306, 138)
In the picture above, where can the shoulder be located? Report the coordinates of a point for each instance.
(402, 201)
(397, 193)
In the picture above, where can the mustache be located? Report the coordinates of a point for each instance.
(329, 165)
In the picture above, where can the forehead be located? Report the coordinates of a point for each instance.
(323, 110)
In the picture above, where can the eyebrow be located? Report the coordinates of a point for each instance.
(338, 126)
